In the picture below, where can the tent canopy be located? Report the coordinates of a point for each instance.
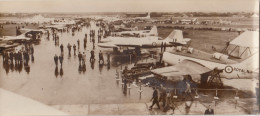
(244, 45)
(247, 39)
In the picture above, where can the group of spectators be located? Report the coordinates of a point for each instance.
(19, 57)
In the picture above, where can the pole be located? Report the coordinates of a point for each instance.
(140, 90)
(130, 58)
(216, 97)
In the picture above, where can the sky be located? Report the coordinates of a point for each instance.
(34, 6)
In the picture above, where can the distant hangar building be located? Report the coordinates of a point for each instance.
(136, 14)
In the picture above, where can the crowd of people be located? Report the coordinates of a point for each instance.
(18, 59)
(166, 95)
(167, 98)
(82, 56)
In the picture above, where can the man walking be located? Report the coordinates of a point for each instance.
(187, 91)
(11, 57)
(61, 48)
(61, 60)
(80, 58)
(56, 60)
(162, 97)
(85, 41)
(101, 58)
(155, 98)
(84, 57)
(32, 50)
(92, 57)
(69, 47)
(74, 48)
(78, 43)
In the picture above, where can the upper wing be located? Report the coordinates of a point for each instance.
(114, 44)
(183, 68)
(107, 45)
(20, 37)
(136, 44)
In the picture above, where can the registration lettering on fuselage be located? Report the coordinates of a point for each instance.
(230, 69)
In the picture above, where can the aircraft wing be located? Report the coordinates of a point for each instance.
(128, 44)
(107, 45)
(121, 42)
(112, 45)
(14, 104)
(14, 38)
(183, 68)
(55, 26)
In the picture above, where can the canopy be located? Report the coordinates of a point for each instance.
(244, 45)
(247, 39)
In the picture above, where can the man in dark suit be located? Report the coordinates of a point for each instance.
(155, 99)
(209, 111)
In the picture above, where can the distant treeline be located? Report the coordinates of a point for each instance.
(139, 14)
(201, 14)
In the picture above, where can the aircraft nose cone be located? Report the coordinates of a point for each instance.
(104, 40)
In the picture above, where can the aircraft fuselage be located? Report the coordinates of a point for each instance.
(230, 71)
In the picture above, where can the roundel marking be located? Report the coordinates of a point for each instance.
(228, 69)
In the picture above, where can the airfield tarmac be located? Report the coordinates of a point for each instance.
(97, 85)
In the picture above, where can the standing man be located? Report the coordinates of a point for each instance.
(78, 43)
(20, 59)
(3, 55)
(163, 95)
(56, 60)
(85, 41)
(26, 57)
(61, 48)
(48, 34)
(74, 48)
(15, 57)
(101, 57)
(90, 36)
(93, 40)
(57, 38)
(80, 58)
(209, 111)
(155, 98)
(6, 57)
(92, 57)
(162, 47)
(61, 60)
(69, 47)
(187, 91)
(32, 50)
(99, 37)
(11, 57)
(84, 57)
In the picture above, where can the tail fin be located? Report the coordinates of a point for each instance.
(148, 15)
(252, 63)
(153, 31)
(175, 36)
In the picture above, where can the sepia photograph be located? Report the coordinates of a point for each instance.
(129, 57)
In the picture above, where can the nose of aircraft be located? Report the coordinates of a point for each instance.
(105, 40)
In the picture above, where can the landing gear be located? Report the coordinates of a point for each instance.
(138, 50)
(214, 78)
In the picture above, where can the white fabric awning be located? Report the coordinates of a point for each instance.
(247, 39)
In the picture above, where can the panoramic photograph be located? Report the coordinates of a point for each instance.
(129, 57)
